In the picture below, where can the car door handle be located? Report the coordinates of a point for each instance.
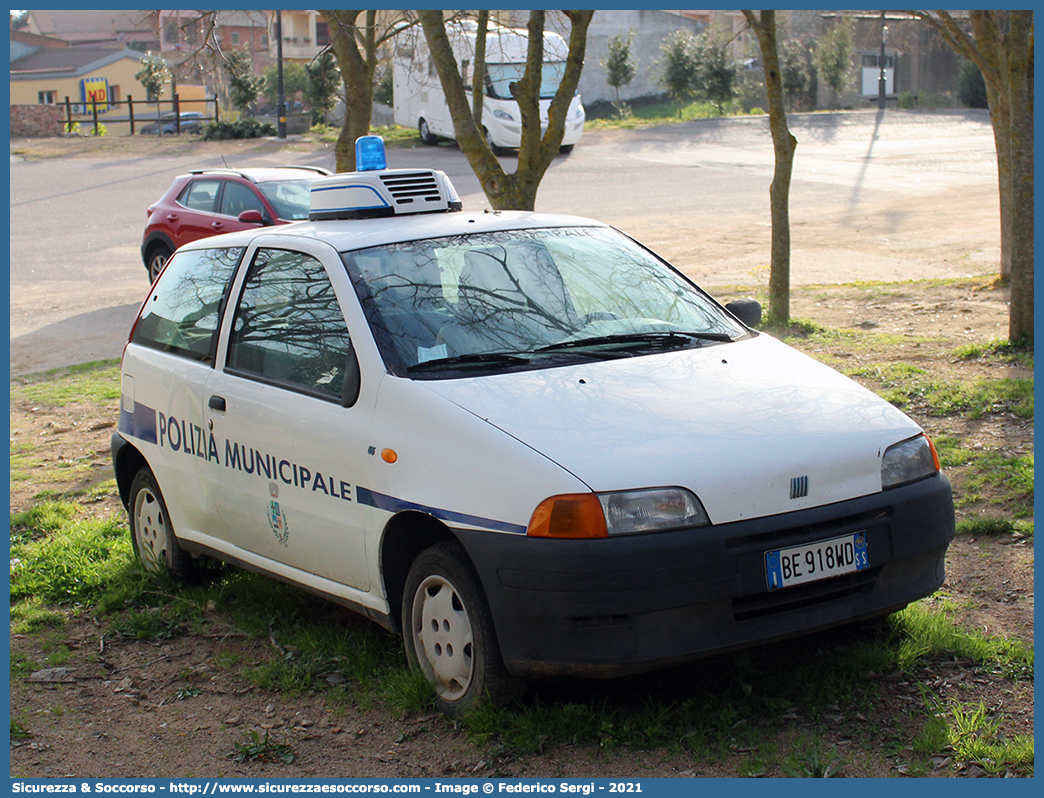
(217, 225)
(217, 403)
(172, 217)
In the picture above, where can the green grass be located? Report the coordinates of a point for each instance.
(973, 399)
(994, 526)
(32, 615)
(996, 350)
(41, 520)
(974, 735)
(256, 748)
(81, 562)
(88, 383)
(995, 477)
(928, 629)
(19, 731)
(648, 112)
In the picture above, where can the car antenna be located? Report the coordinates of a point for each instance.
(225, 162)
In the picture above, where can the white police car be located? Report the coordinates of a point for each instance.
(520, 439)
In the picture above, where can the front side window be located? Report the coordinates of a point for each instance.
(527, 299)
(182, 314)
(499, 78)
(288, 328)
(291, 199)
(200, 195)
(237, 198)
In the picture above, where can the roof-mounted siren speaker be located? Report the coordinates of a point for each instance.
(375, 190)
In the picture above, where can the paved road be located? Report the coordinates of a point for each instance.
(874, 197)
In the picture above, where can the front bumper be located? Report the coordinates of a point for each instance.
(623, 605)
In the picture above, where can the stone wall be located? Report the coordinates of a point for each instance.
(28, 121)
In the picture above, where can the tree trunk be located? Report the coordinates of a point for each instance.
(478, 71)
(1003, 51)
(784, 144)
(357, 71)
(1020, 93)
(515, 191)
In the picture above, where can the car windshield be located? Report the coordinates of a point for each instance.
(291, 199)
(527, 299)
(499, 78)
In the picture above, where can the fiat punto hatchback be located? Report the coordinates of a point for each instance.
(521, 440)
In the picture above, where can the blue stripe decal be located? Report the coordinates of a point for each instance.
(381, 202)
(141, 423)
(393, 505)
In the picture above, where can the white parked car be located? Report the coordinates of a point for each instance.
(522, 440)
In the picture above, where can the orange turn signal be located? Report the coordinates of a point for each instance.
(573, 515)
(935, 454)
(389, 456)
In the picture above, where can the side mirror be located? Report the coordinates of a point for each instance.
(251, 217)
(352, 379)
(747, 311)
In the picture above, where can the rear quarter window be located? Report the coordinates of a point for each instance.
(182, 314)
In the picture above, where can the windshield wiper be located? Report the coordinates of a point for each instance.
(470, 360)
(666, 338)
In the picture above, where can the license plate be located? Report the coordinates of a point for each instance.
(820, 560)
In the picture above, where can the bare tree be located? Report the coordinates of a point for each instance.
(784, 144)
(1001, 45)
(355, 38)
(517, 190)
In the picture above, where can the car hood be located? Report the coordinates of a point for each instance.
(735, 423)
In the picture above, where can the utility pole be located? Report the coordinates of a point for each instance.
(281, 101)
(881, 81)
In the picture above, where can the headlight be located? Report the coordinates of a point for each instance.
(909, 461)
(591, 515)
(503, 115)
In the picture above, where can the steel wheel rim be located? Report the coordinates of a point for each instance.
(443, 637)
(150, 530)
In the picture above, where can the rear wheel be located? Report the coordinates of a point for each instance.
(426, 136)
(157, 260)
(448, 630)
(152, 533)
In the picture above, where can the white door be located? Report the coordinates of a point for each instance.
(291, 454)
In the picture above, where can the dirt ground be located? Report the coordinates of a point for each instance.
(112, 712)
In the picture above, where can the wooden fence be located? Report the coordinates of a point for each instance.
(147, 112)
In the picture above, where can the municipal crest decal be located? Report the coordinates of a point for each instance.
(276, 519)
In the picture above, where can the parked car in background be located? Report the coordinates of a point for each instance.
(191, 122)
(206, 202)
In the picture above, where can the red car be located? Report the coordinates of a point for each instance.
(206, 202)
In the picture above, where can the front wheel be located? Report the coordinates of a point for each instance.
(565, 149)
(152, 533)
(493, 148)
(448, 631)
(426, 136)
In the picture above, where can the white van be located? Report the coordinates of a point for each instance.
(521, 440)
(421, 103)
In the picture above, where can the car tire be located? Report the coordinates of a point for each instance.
(157, 259)
(426, 136)
(565, 149)
(448, 631)
(152, 534)
(493, 148)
